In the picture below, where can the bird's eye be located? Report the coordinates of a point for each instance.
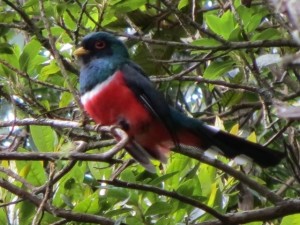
(100, 44)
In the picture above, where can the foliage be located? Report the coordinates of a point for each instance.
(230, 63)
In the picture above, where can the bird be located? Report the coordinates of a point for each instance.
(116, 91)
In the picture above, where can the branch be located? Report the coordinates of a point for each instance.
(55, 123)
(26, 76)
(196, 154)
(69, 215)
(50, 156)
(285, 208)
(230, 46)
(171, 194)
(208, 81)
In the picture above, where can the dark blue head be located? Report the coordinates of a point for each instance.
(100, 55)
(100, 45)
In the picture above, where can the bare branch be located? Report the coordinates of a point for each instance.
(69, 215)
(288, 207)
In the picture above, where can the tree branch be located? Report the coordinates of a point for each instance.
(159, 191)
(196, 154)
(285, 208)
(69, 215)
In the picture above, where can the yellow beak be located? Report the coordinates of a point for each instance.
(80, 51)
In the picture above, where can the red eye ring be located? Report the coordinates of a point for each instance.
(100, 44)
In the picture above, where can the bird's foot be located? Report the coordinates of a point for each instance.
(98, 128)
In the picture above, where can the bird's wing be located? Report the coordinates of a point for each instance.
(146, 93)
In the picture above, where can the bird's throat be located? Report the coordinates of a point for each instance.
(89, 95)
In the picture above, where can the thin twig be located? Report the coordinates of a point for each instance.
(159, 191)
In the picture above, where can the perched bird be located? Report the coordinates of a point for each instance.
(116, 91)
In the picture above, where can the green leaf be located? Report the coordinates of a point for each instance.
(231, 97)
(29, 55)
(268, 34)
(207, 176)
(109, 17)
(33, 172)
(71, 186)
(244, 13)
(26, 212)
(186, 188)
(99, 170)
(118, 212)
(254, 223)
(6, 48)
(60, 8)
(162, 178)
(291, 220)
(52, 68)
(217, 69)
(206, 42)
(159, 208)
(235, 129)
(213, 195)
(217, 24)
(70, 23)
(65, 100)
(228, 22)
(89, 204)
(29, 3)
(213, 23)
(128, 176)
(182, 3)
(122, 6)
(3, 217)
(44, 138)
(253, 23)
(177, 164)
(117, 193)
(134, 220)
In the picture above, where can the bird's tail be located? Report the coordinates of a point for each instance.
(195, 131)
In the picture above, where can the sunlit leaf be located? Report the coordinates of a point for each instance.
(291, 220)
(29, 55)
(252, 137)
(182, 3)
(268, 34)
(235, 129)
(88, 205)
(217, 24)
(52, 68)
(207, 42)
(219, 123)
(44, 138)
(158, 208)
(217, 69)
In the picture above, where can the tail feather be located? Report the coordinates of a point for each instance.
(233, 146)
(230, 145)
(140, 155)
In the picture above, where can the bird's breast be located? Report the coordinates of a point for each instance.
(113, 102)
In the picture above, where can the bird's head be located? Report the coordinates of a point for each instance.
(100, 45)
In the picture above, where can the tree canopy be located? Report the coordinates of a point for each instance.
(233, 64)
